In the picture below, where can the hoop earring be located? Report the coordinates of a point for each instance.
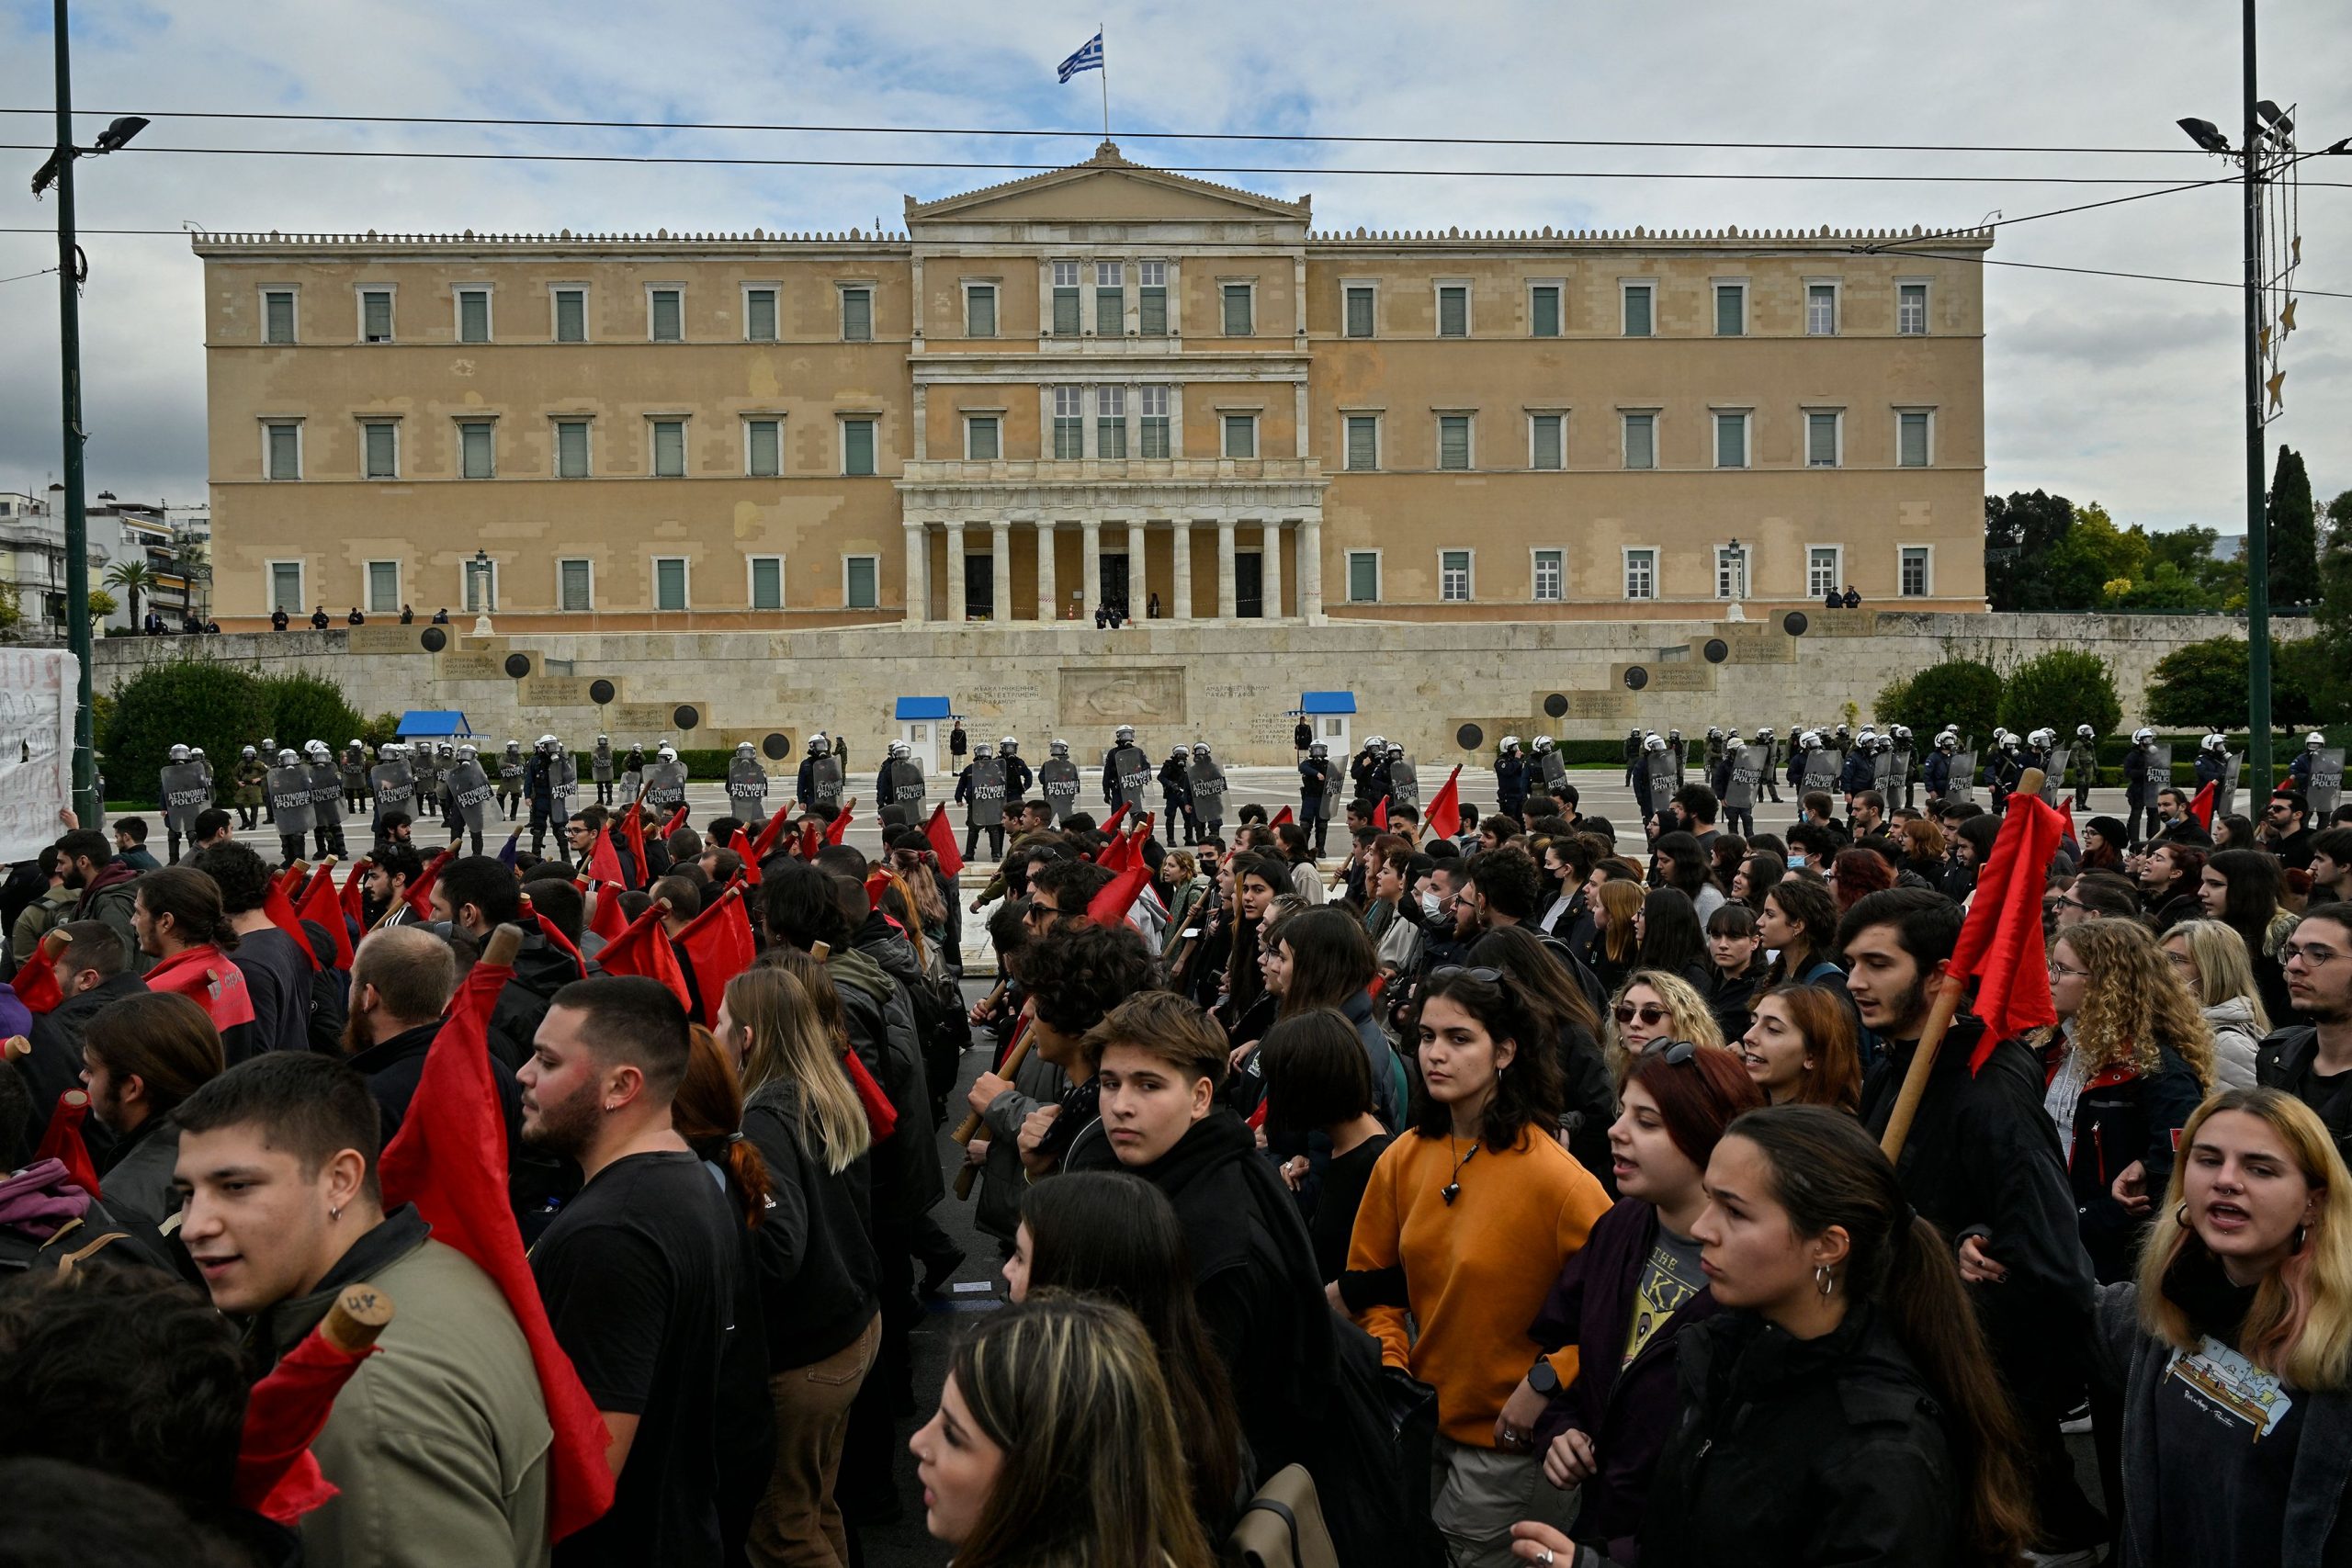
(1826, 1279)
(2181, 1216)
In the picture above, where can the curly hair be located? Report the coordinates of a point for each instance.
(2134, 1004)
(1686, 1010)
(1078, 973)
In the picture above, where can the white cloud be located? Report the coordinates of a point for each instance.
(2125, 391)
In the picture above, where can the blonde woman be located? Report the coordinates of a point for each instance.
(1616, 942)
(2130, 1058)
(1652, 1005)
(819, 1278)
(2210, 959)
(2232, 1349)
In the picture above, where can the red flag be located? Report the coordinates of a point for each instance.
(633, 830)
(1109, 906)
(1113, 825)
(608, 922)
(420, 895)
(1444, 815)
(36, 981)
(290, 878)
(677, 820)
(1282, 816)
(2001, 943)
(943, 841)
(1114, 856)
(2066, 820)
(320, 904)
(604, 860)
(450, 1159)
(556, 938)
(280, 910)
(834, 831)
(278, 1476)
(62, 1142)
(1379, 812)
(2203, 806)
(643, 948)
(765, 843)
(881, 1116)
(877, 883)
(355, 896)
(205, 976)
(719, 943)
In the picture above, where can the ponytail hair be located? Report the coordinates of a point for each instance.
(707, 1113)
(1825, 1171)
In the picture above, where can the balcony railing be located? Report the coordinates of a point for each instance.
(1020, 471)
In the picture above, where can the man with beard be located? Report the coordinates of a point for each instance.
(107, 888)
(393, 869)
(642, 1272)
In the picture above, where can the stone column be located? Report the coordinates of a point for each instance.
(1269, 535)
(1310, 570)
(1091, 571)
(918, 574)
(1225, 569)
(1180, 605)
(1000, 554)
(1047, 610)
(955, 602)
(1138, 587)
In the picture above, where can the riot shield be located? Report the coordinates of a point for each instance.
(393, 786)
(2225, 798)
(1747, 772)
(1135, 778)
(186, 791)
(747, 789)
(984, 806)
(1058, 778)
(1207, 782)
(2159, 769)
(2326, 785)
(907, 787)
(600, 761)
(1883, 773)
(1553, 772)
(289, 793)
(326, 795)
(1658, 767)
(1960, 787)
(1822, 767)
(1404, 783)
(470, 788)
(563, 784)
(2053, 768)
(665, 787)
(825, 782)
(1898, 775)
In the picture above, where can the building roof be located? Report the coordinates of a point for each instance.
(431, 723)
(1315, 702)
(919, 708)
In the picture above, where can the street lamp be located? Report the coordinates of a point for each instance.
(484, 572)
(1737, 571)
(58, 170)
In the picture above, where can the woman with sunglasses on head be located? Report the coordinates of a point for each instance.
(1622, 1300)
(2241, 888)
(1840, 1405)
(1802, 1048)
(1465, 1224)
(1652, 1005)
(2232, 1349)
(2211, 960)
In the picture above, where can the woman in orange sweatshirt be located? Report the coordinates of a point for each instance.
(1467, 1221)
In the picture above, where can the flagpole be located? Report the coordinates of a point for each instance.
(1105, 68)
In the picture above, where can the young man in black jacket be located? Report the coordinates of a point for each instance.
(2311, 1059)
(1983, 1163)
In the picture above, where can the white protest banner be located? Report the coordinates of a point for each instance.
(37, 691)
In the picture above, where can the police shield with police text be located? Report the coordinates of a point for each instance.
(1207, 781)
(747, 786)
(289, 790)
(665, 784)
(817, 786)
(186, 791)
(326, 799)
(902, 783)
(982, 789)
(1127, 774)
(1058, 777)
(469, 793)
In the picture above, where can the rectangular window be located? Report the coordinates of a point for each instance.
(1152, 431)
(1731, 572)
(1911, 438)
(1110, 422)
(1543, 310)
(1641, 441)
(1237, 314)
(571, 448)
(1820, 439)
(1453, 576)
(278, 315)
(376, 315)
(1453, 312)
(284, 442)
(763, 448)
(1364, 577)
(383, 587)
(857, 447)
(473, 315)
(983, 440)
(1640, 574)
(575, 583)
(286, 586)
(1241, 436)
(767, 583)
(669, 583)
(1069, 424)
(1110, 299)
(1823, 570)
(861, 585)
(1454, 441)
(668, 323)
(383, 442)
(1638, 310)
(1547, 440)
(1911, 310)
(980, 309)
(1066, 307)
(476, 450)
(1152, 299)
(1363, 442)
(857, 315)
(1359, 312)
(1731, 309)
(759, 315)
(1547, 574)
(1916, 559)
(1821, 309)
(571, 315)
(1731, 441)
(668, 449)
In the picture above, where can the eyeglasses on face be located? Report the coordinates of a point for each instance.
(2068, 970)
(2313, 955)
(1650, 1013)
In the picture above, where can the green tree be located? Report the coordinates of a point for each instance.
(2062, 689)
(1958, 690)
(133, 577)
(2293, 531)
(2334, 572)
(102, 604)
(2094, 553)
(185, 702)
(2021, 531)
(304, 709)
(2203, 684)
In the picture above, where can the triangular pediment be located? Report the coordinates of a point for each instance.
(1108, 189)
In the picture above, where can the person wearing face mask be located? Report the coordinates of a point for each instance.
(1801, 1049)
(2231, 1347)
(1627, 1296)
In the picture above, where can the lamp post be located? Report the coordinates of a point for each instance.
(59, 170)
(485, 573)
(1739, 570)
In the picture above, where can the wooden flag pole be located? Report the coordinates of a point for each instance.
(358, 1315)
(1946, 1006)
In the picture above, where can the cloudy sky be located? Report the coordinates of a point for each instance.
(2107, 388)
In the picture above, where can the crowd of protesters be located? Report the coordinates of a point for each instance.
(1512, 1188)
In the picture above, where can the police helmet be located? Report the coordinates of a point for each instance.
(179, 753)
(287, 758)
(1653, 742)
(1060, 749)
(1510, 744)
(1124, 733)
(900, 750)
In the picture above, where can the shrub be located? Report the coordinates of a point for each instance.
(304, 709)
(1958, 691)
(185, 702)
(2062, 688)
(2204, 684)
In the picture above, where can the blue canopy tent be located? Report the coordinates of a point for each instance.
(434, 724)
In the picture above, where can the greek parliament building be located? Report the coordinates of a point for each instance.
(1104, 384)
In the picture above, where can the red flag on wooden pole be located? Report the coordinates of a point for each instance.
(719, 943)
(1282, 816)
(1444, 815)
(1379, 812)
(62, 1142)
(643, 948)
(320, 904)
(2001, 944)
(420, 895)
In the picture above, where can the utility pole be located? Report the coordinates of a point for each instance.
(86, 805)
(2258, 531)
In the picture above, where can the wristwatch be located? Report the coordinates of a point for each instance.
(1543, 1379)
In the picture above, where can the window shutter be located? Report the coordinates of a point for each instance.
(670, 584)
(767, 583)
(766, 448)
(1363, 442)
(979, 312)
(1547, 442)
(1454, 441)
(575, 585)
(857, 315)
(760, 325)
(1110, 312)
(1360, 301)
(668, 449)
(381, 445)
(473, 316)
(1821, 440)
(1731, 441)
(666, 316)
(1237, 309)
(474, 440)
(1637, 312)
(1151, 311)
(859, 583)
(1363, 577)
(1915, 440)
(1454, 313)
(1641, 432)
(858, 440)
(571, 451)
(984, 440)
(376, 310)
(277, 325)
(1729, 314)
(571, 315)
(1066, 312)
(1546, 322)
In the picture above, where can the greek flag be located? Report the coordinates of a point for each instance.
(1088, 58)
